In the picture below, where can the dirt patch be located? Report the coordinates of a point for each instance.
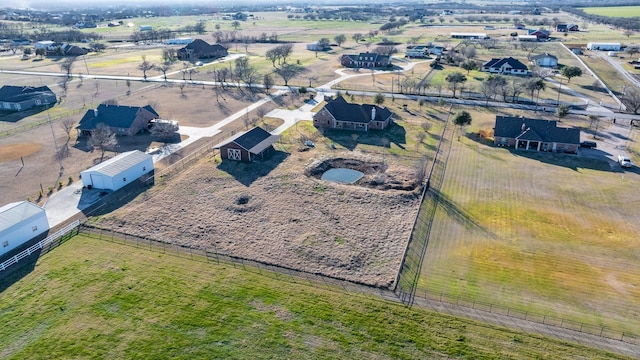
(15, 151)
(377, 175)
(283, 217)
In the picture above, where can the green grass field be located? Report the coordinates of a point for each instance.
(544, 233)
(614, 11)
(92, 299)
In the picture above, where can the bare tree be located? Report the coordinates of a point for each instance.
(67, 64)
(103, 138)
(164, 67)
(632, 98)
(67, 126)
(288, 72)
(145, 66)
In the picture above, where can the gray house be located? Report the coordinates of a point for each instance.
(534, 134)
(20, 98)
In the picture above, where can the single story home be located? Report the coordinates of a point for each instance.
(122, 120)
(545, 60)
(365, 60)
(118, 171)
(416, 51)
(541, 34)
(20, 98)
(20, 222)
(64, 49)
(508, 65)
(248, 146)
(604, 46)
(566, 27)
(461, 35)
(200, 49)
(339, 114)
(534, 134)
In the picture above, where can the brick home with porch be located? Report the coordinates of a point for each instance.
(533, 134)
(339, 114)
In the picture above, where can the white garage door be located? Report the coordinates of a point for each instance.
(234, 154)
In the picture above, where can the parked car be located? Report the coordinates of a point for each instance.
(588, 144)
(624, 161)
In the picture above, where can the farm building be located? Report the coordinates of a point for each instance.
(19, 98)
(20, 222)
(545, 60)
(533, 134)
(460, 35)
(118, 171)
(339, 114)
(122, 120)
(527, 38)
(248, 146)
(604, 46)
(180, 41)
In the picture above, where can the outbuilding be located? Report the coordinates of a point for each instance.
(117, 171)
(248, 146)
(20, 222)
(604, 46)
(545, 60)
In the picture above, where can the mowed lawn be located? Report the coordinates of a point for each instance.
(546, 233)
(614, 11)
(94, 299)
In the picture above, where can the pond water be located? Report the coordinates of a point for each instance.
(341, 175)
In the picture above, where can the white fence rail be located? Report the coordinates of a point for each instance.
(40, 245)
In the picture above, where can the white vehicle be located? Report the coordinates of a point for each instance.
(624, 161)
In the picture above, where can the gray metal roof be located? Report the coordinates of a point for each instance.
(120, 163)
(14, 213)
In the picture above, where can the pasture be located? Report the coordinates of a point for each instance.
(94, 299)
(614, 11)
(542, 233)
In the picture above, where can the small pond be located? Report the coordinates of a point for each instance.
(342, 175)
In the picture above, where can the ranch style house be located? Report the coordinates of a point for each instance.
(122, 120)
(339, 114)
(200, 49)
(533, 134)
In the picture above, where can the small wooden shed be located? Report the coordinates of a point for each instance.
(248, 146)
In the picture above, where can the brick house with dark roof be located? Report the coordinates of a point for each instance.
(339, 114)
(20, 98)
(508, 65)
(566, 27)
(534, 134)
(248, 146)
(122, 120)
(200, 49)
(365, 60)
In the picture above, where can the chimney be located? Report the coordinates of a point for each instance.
(523, 128)
(95, 112)
(373, 113)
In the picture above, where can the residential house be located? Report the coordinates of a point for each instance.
(64, 49)
(339, 114)
(318, 47)
(566, 27)
(248, 146)
(20, 98)
(533, 134)
(545, 60)
(365, 60)
(508, 66)
(200, 49)
(541, 34)
(416, 51)
(519, 26)
(122, 120)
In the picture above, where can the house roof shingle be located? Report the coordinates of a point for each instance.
(542, 56)
(10, 93)
(254, 140)
(199, 45)
(535, 130)
(112, 115)
(498, 63)
(344, 111)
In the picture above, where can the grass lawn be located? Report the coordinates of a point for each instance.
(543, 233)
(614, 11)
(93, 299)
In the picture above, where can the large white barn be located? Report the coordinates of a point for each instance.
(117, 171)
(604, 46)
(20, 222)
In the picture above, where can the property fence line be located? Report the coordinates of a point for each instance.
(422, 299)
(406, 282)
(43, 246)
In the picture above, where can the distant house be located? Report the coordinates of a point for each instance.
(604, 46)
(508, 66)
(545, 60)
(472, 36)
(43, 44)
(534, 134)
(318, 47)
(200, 49)
(541, 34)
(146, 28)
(118, 171)
(64, 49)
(519, 26)
(416, 51)
(566, 27)
(20, 222)
(339, 114)
(20, 98)
(122, 120)
(248, 146)
(365, 60)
